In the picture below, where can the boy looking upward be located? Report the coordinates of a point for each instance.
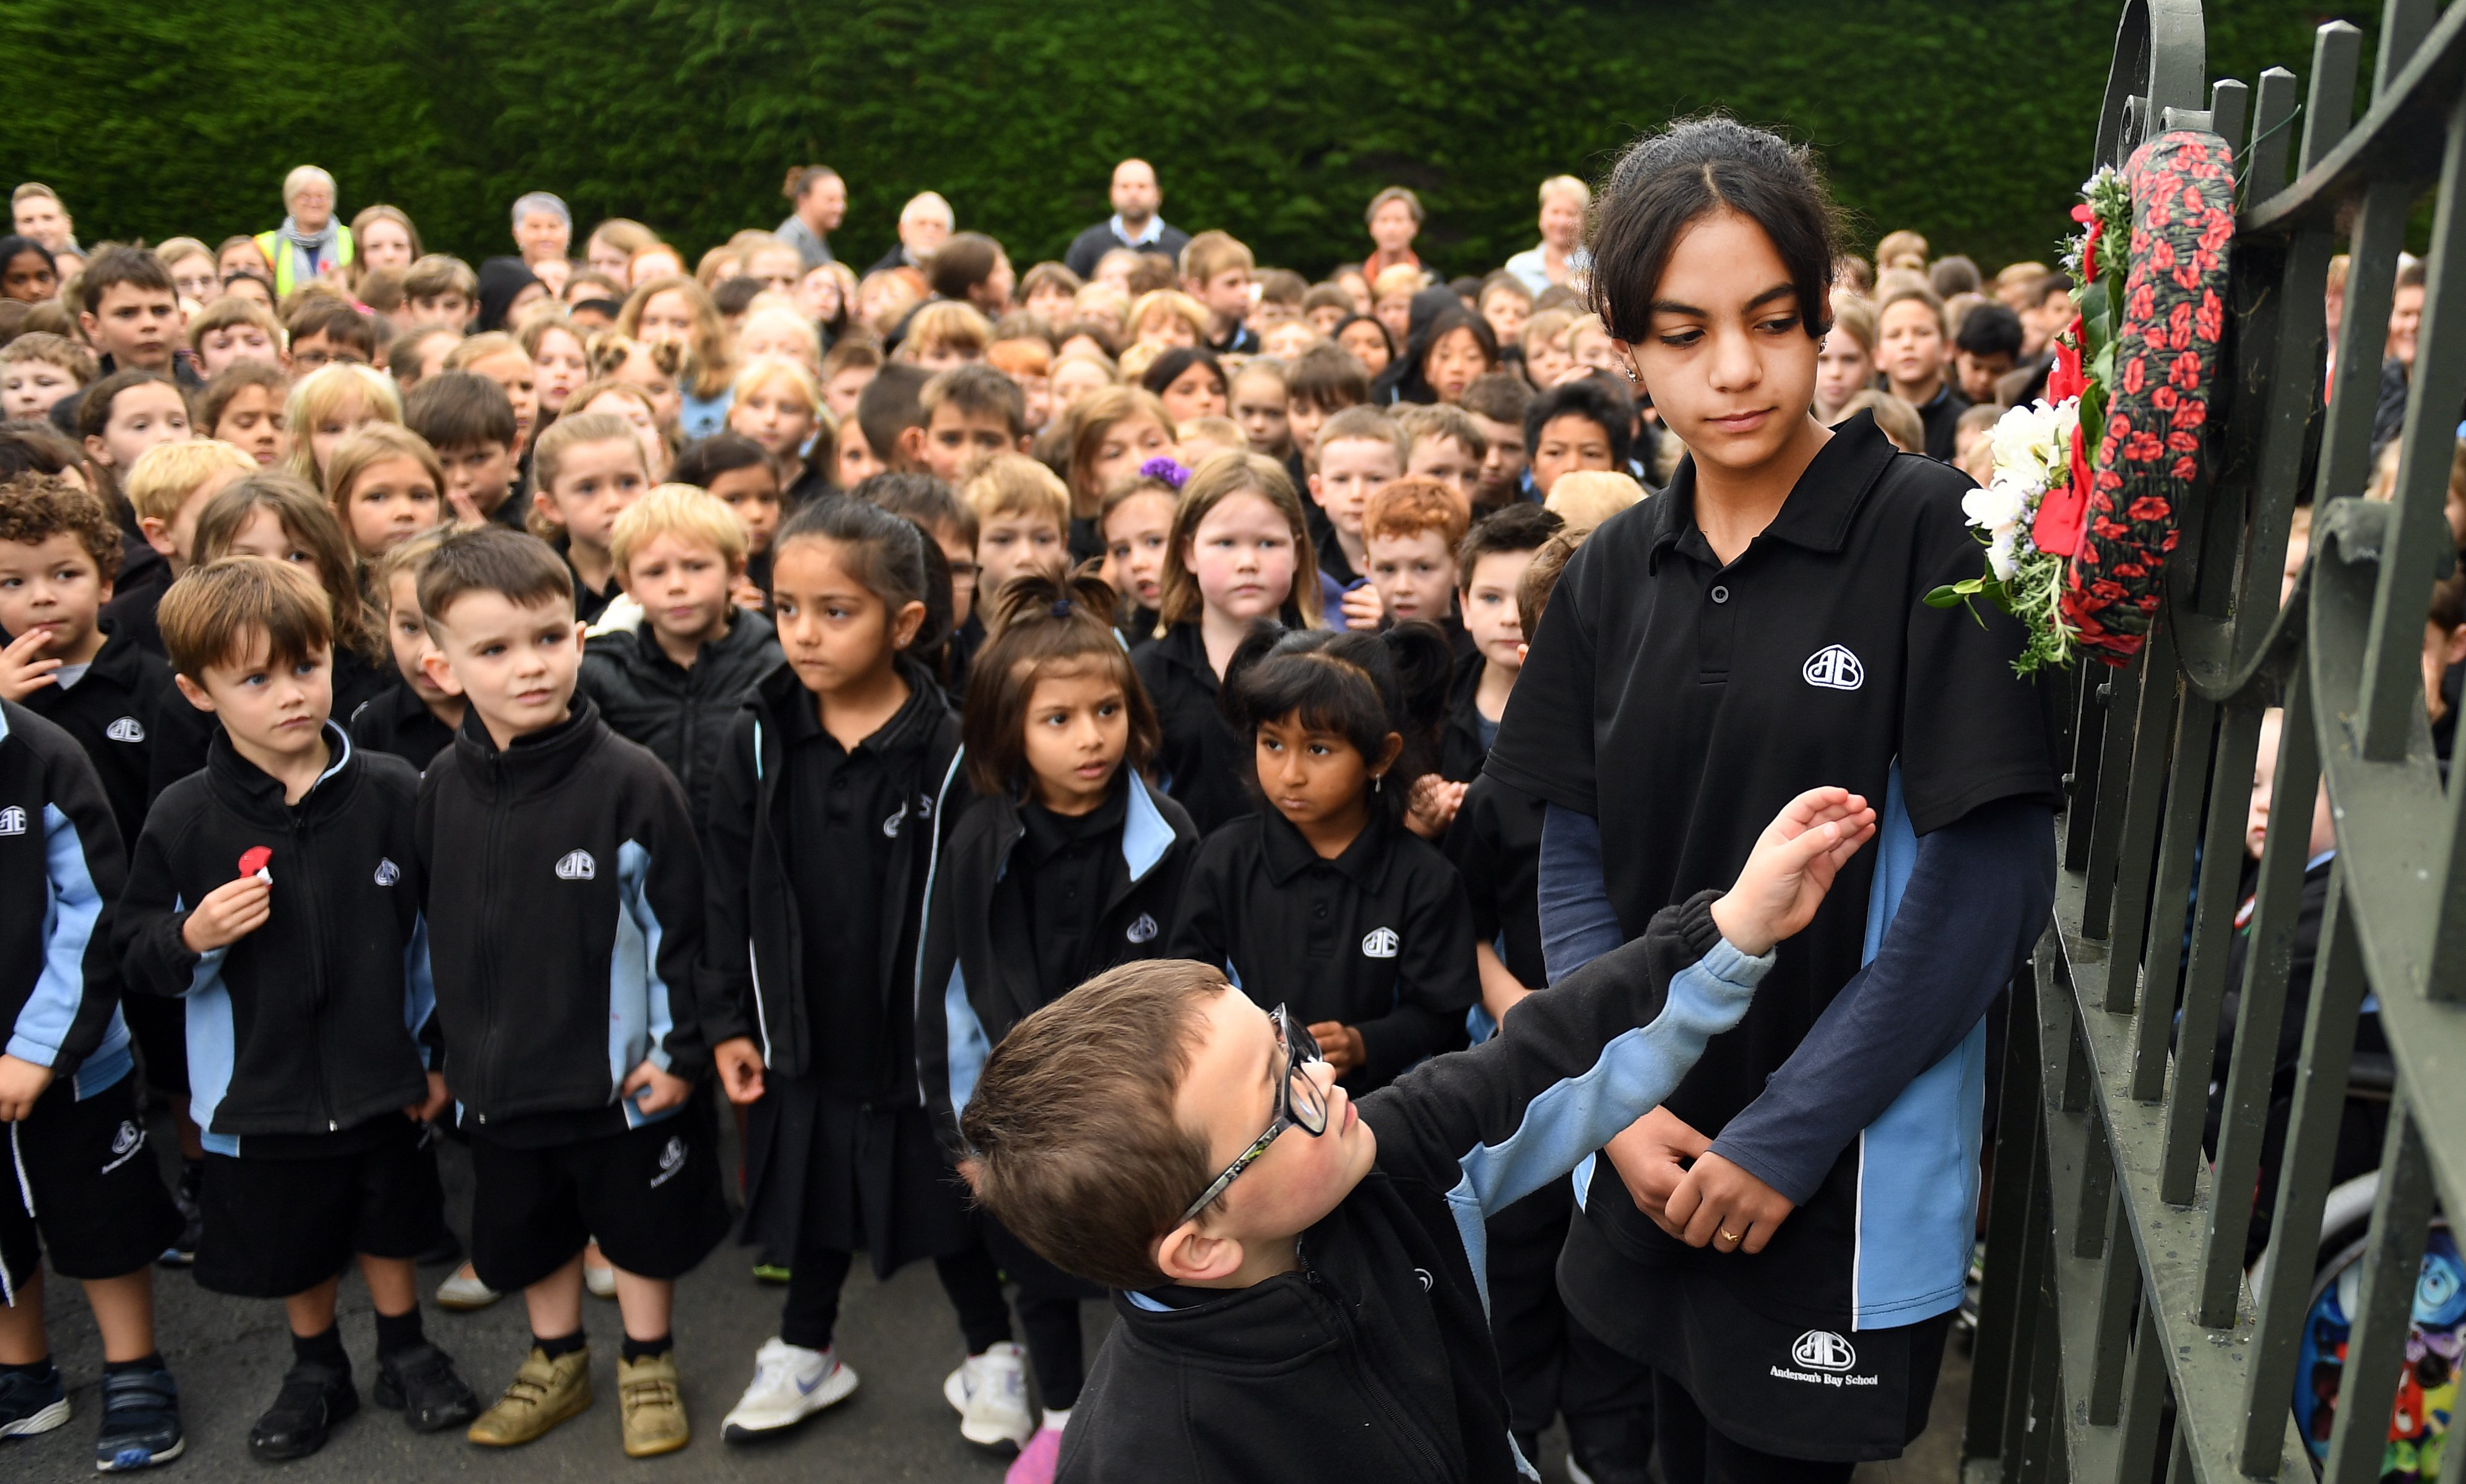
(564, 925)
(1156, 1131)
(306, 975)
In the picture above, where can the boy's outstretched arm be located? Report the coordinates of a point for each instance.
(1581, 1060)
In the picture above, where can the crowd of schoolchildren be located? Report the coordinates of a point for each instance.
(544, 713)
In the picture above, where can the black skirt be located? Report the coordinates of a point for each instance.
(827, 1171)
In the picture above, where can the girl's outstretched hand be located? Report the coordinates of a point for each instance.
(1792, 866)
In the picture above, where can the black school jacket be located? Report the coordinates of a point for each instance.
(564, 919)
(61, 870)
(1203, 761)
(310, 1024)
(1380, 938)
(1374, 1361)
(753, 979)
(682, 714)
(979, 975)
(108, 712)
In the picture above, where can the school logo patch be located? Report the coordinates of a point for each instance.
(1834, 669)
(1822, 1350)
(890, 826)
(1142, 931)
(128, 729)
(12, 820)
(388, 872)
(672, 1158)
(576, 866)
(1381, 942)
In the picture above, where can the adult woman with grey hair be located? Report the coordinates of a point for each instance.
(310, 243)
(1562, 255)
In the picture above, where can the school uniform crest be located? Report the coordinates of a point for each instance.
(576, 866)
(388, 872)
(128, 729)
(12, 820)
(1381, 942)
(1143, 930)
(1834, 669)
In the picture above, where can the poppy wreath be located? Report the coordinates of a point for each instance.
(2152, 444)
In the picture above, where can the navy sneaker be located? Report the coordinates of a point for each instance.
(30, 1404)
(140, 1420)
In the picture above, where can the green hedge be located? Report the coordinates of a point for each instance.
(1968, 119)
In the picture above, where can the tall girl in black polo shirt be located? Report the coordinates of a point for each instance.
(827, 816)
(1324, 902)
(1067, 864)
(1239, 539)
(1784, 1241)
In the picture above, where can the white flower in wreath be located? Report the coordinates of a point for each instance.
(1997, 507)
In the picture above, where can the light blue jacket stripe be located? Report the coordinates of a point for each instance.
(1917, 1163)
(1634, 1072)
(639, 1016)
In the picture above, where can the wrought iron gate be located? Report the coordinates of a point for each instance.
(2119, 1336)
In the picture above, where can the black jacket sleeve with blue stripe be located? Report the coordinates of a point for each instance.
(61, 868)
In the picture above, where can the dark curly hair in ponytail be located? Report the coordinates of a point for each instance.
(1039, 625)
(1360, 686)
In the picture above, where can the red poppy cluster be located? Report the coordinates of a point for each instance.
(2151, 453)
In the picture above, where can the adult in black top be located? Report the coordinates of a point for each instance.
(1755, 629)
(1379, 939)
(1134, 223)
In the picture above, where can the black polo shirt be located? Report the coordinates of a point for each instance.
(848, 808)
(1379, 939)
(1205, 765)
(1067, 867)
(1682, 702)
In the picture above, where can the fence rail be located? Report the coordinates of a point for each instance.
(2122, 1334)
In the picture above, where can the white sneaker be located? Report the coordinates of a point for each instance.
(990, 1392)
(464, 1291)
(601, 1281)
(790, 1384)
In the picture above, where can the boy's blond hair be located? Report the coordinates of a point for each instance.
(1014, 484)
(1366, 424)
(685, 511)
(438, 275)
(1589, 497)
(231, 309)
(549, 448)
(375, 444)
(1214, 252)
(166, 474)
(209, 615)
(53, 351)
(947, 325)
(326, 390)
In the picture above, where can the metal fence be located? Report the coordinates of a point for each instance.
(2124, 1333)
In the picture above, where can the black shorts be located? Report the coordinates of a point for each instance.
(280, 1227)
(1814, 1390)
(81, 1181)
(650, 1196)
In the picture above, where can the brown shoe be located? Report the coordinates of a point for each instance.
(543, 1393)
(653, 1413)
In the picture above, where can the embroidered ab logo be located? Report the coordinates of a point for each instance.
(1822, 1350)
(672, 1158)
(576, 866)
(128, 729)
(890, 826)
(12, 820)
(1381, 942)
(1834, 669)
(1142, 931)
(388, 872)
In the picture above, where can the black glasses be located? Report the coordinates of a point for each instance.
(1300, 1103)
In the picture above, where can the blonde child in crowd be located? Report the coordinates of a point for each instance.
(1238, 553)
